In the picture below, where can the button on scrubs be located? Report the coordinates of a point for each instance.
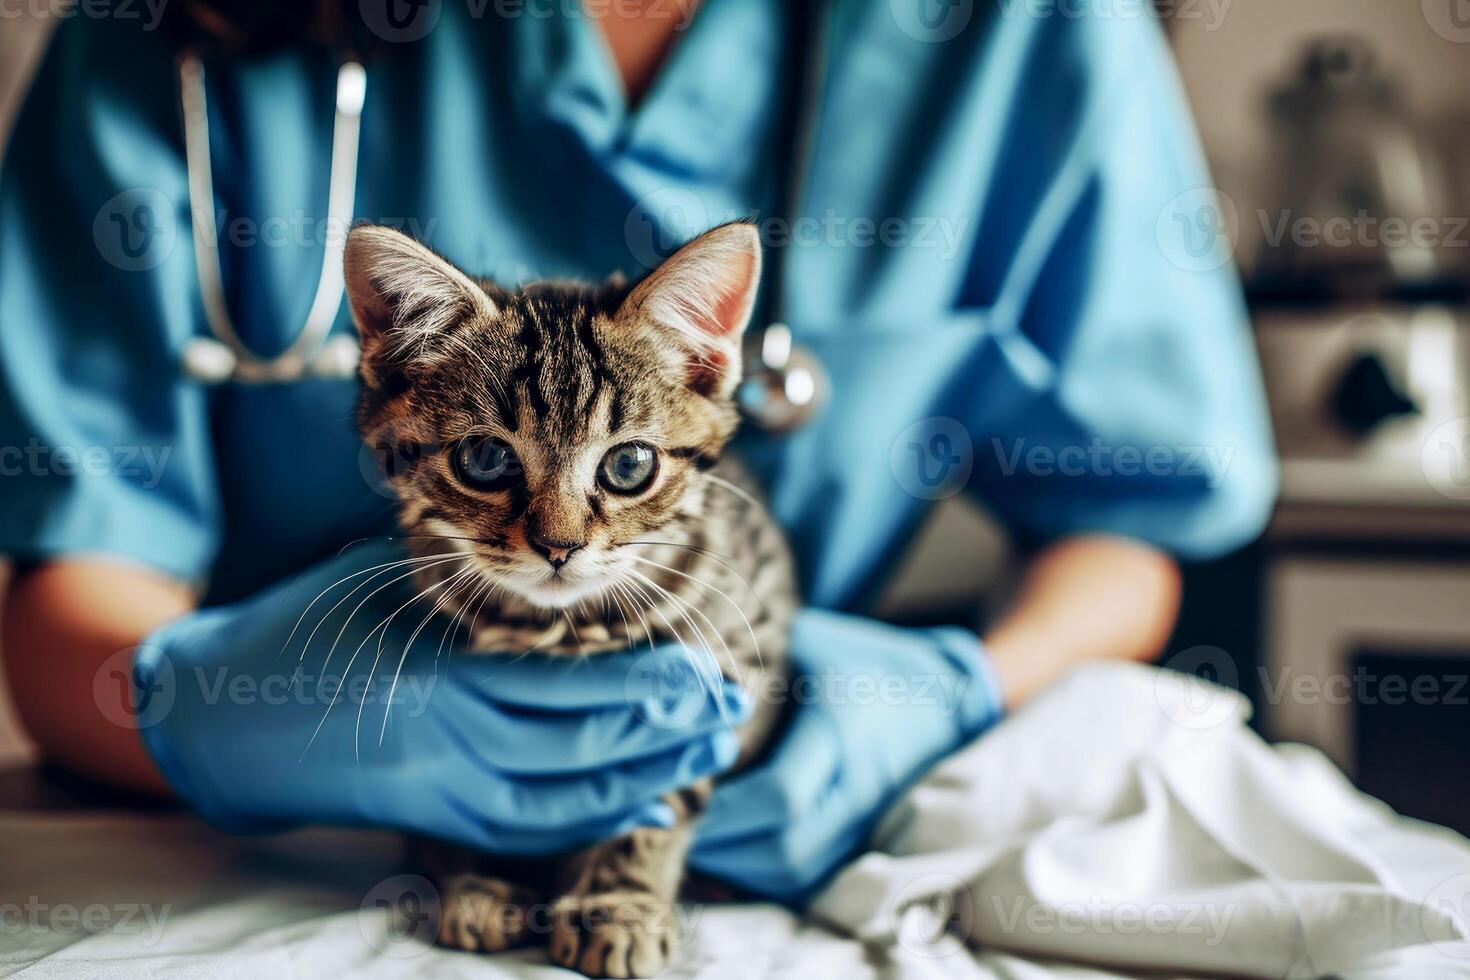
(987, 258)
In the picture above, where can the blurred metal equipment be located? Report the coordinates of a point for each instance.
(1360, 398)
(1349, 156)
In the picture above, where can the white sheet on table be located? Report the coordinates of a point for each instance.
(1129, 818)
(1107, 794)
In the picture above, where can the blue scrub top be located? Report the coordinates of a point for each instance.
(986, 263)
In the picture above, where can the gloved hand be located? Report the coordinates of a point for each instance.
(873, 707)
(527, 754)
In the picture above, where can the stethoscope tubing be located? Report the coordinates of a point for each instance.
(784, 384)
(299, 359)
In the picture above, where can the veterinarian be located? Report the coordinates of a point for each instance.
(984, 256)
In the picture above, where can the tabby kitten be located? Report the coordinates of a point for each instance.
(569, 438)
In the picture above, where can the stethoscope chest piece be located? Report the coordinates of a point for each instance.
(784, 384)
(210, 361)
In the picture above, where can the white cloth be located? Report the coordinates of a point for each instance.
(1129, 818)
(1125, 821)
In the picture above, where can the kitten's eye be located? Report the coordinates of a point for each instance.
(628, 468)
(486, 464)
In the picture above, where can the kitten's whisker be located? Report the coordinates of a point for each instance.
(722, 559)
(681, 604)
(458, 579)
(550, 637)
(617, 601)
(474, 617)
(410, 537)
(573, 627)
(699, 634)
(637, 611)
(737, 491)
(332, 652)
(435, 563)
(382, 630)
(735, 666)
(481, 593)
(636, 591)
(760, 661)
(470, 585)
(368, 571)
(680, 600)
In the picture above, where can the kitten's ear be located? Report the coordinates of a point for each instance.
(402, 295)
(700, 301)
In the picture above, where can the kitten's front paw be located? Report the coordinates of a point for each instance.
(483, 914)
(615, 934)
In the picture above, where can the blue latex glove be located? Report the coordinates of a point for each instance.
(874, 706)
(524, 755)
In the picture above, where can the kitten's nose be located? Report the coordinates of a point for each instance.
(553, 550)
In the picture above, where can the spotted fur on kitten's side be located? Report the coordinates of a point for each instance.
(569, 439)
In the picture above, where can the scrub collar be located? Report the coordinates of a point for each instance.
(712, 104)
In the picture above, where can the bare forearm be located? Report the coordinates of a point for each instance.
(63, 622)
(1091, 597)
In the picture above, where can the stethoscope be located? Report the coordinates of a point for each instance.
(224, 358)
(783, 386)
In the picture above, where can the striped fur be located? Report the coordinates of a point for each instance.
(562, 372)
